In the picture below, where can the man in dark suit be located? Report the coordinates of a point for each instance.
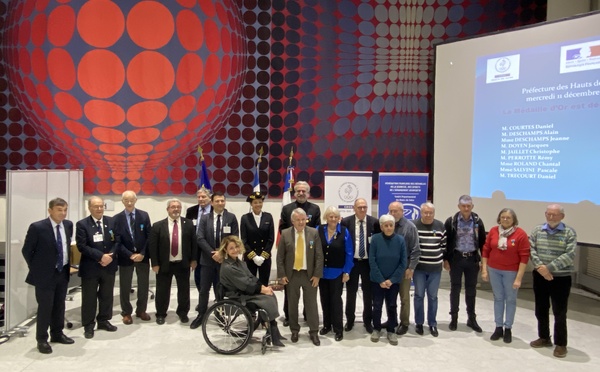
(361, 227)
(173, 252)
(300, 265)
(213, 227)
(133, 226)
(47, 252)
(313, 219)
(313, 212)
(98, 241)
(195, 213)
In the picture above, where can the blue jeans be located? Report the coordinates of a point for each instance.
(426, 282)
(391, 298)
(505, 296)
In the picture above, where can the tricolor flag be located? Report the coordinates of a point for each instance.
(256, 182)
(288, 186)
(204, 180)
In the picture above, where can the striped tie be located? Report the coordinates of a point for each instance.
(361, 245)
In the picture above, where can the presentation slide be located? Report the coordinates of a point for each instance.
(535, 123)
(517, 124)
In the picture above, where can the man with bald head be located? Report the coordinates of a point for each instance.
(133, 226)
(98, 241)
(361, 227)
(552, 251)
(408, 230)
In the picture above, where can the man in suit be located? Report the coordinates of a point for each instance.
(98, 241)
(47, 252)
(313, 219)
(361, 227)
(313, 212)
(173, 252)
(195, 213)
(300, 265)
(213, 227)
(133, 226)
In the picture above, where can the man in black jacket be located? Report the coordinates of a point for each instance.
(47, 252)
(465, 239)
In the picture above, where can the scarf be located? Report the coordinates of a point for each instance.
(503, 234)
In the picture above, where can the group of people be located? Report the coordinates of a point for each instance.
(384, 255)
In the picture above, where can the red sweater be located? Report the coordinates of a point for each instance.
(516, 253)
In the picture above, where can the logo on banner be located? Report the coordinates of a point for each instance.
(411, 211)
(348, 192)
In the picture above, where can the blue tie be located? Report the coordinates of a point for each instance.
(361, 239)
(59, 248)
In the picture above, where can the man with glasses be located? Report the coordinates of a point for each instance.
(552, 251)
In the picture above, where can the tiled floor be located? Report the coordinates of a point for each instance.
(175, 347)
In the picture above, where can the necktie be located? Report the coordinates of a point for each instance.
(175, 240)
(299, 257)
(218, 232)
(200, 214)
(99, 226)
(59, 248)
(132, 224)
(361, 245)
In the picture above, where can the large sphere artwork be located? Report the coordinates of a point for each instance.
(125, 88)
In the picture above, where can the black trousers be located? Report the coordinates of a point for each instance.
(361, 270)
(555, 292)
(142, 271)
(469, 267)
(331, 303)
(97, 294)
(181, 273)
(51, 305)
(264, 271)
(209, 276)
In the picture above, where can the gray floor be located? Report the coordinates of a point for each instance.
(175, 347)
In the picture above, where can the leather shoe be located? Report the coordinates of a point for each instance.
(44, 347)
(339, 336)
(294, 336)
(324, 331)
(369, 328)
(127, 320)
(314, 337)
(453, 324)
(107, 326)
(419, 329)
(434, 331)
(472, 323)
(559, 351)
(143, 316)
(184, 318)
(88, 333)
(348, 327)
(62, 339)
(196, 322)
(402, 329)
(286, 322)
(160, 320)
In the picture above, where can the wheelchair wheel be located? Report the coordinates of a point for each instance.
(227, 327)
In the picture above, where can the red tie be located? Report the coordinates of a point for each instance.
(175, 240)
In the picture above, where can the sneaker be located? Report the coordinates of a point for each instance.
(393, 339)
(560, 351)
(375, 335)
(541, 342)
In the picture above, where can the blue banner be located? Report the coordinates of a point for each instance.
(410, 189)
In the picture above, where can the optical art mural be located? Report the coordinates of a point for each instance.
(127, 90)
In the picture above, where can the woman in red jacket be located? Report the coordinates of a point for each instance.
(504, 259)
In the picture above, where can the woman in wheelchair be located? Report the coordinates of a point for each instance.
(239, 284)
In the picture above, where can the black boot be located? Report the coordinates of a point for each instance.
(507, 336)
(472, 323)
(498, 334)
(275, 335)
(453, 322)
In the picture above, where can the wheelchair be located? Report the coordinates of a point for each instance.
(228, 326)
